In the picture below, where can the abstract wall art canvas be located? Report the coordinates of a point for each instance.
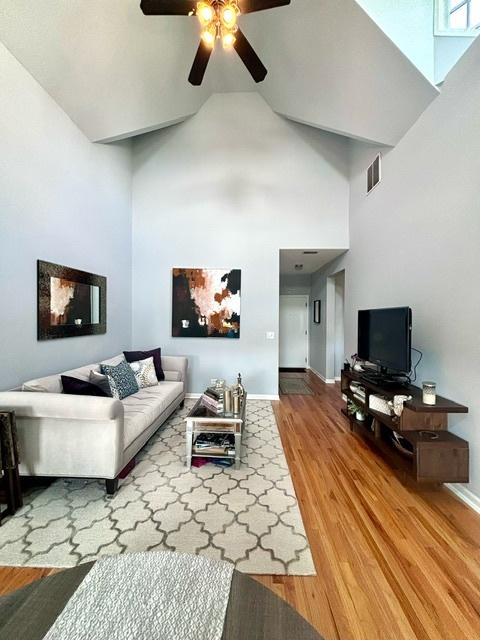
(206, 303)
(70, 302)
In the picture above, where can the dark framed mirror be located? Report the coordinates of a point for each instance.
(70, 302)
(317, 311)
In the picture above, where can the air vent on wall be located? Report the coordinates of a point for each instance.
(374, 174)
(310, 253)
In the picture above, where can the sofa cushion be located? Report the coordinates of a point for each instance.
(83, 373)
(172, 376)
(121, 379)
(78, 387)
(112, 362)
(48, 384)
(144, 407)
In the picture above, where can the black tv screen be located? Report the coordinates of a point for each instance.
(384, 337)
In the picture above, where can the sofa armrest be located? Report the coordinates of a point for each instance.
(31, 404)
(176, 363)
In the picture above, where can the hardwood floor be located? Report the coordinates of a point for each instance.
(394, 561)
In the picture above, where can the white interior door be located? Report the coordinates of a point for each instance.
(293, 331)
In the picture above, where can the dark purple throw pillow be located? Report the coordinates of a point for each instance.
(156, 354)
(77, 387)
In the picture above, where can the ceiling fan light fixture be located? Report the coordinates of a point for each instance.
(229, 14)
(205, 13)
(218, 20)
(208, 36)
(228, 40)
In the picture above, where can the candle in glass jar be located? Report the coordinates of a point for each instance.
(429, 393)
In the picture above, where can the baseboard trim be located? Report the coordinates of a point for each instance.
(251, 396)
(465, 495)
(322, 378)
(337, 378)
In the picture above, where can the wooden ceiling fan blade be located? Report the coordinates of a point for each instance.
(167, 7)
(249, 6)
(249, 57)
(200, 64)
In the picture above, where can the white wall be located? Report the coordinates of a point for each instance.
(415, 241)
(318, 334)
(229, 188)
(113, 70)
(118, 73)
(352, 79)
(65, 200)
(326, 338)
(409, 24)
(339, 350)
(295, 284)
(448, 50)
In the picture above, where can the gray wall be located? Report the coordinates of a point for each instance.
(414, 241)
(64, 200)
(295, 284)
(229, 188)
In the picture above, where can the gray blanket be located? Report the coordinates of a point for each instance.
(156, 596)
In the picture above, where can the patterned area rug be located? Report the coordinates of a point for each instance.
(294, 386)
(249, 517)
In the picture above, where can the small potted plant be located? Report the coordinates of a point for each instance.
(356, 409)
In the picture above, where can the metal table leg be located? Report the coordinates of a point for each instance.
(238, 449)
(189, 443)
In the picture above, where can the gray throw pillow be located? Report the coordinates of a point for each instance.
(101, 381)
(121, 379)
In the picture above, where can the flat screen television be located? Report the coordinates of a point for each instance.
(385, 338)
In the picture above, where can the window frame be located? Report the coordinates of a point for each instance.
(442, 14)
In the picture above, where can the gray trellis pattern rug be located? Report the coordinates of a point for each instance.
(249, 517)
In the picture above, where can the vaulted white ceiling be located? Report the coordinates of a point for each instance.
(118, 73)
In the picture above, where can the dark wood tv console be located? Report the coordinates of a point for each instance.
(436, 454)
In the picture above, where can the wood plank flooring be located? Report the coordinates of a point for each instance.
(394, 561)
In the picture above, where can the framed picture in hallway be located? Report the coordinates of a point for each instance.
(206, 303)
(317, 311)
(70, 302)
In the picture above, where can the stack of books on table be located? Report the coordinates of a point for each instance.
(215, 444)
(213, 400)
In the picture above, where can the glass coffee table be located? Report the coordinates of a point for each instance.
(202, 421)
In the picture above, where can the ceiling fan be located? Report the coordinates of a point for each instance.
(218, 19)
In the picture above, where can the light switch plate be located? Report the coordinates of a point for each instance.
(270, 335)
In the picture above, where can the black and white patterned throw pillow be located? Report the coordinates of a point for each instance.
(121, 379)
